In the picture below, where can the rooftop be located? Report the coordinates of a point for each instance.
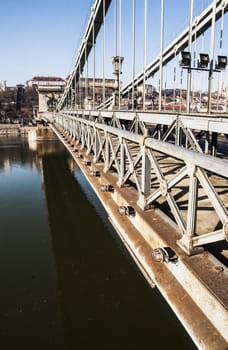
(42, 78)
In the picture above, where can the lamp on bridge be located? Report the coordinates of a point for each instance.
(117, 70)
(117, 64)
(185, 59)
(203, 60)
(202, 64)
(221, 63)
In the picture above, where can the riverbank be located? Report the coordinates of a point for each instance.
(8, 129)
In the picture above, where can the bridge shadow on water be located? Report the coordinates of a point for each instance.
(105, 302)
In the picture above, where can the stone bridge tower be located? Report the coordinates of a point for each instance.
(49, 91)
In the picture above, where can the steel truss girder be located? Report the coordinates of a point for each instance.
(193, 127)
(213, 123)
(125, 153)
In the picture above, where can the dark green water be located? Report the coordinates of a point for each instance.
(66, 281)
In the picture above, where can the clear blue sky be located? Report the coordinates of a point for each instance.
(41, 37)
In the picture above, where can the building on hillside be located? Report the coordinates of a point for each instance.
(89, 91)
(46, 81)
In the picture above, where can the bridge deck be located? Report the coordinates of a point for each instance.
(207, 218)
(194, 286)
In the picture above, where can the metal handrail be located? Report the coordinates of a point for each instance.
(194, 168)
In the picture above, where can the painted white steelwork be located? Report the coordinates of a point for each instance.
(199, 132)
(98, 12)
(156, 168)
(199, 25)
(214, 11)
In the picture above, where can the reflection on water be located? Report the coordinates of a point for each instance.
(66, 280)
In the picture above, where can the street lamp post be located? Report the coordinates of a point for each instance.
(202, 64)
(117, 70)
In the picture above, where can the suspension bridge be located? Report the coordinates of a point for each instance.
(152, 142)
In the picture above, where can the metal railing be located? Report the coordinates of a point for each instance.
(192, 131)
(181, 182)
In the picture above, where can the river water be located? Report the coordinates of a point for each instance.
(66, 281)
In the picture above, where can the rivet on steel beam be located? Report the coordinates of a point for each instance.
(126, 210)
(95, 173)
(107, 188)
(86, 162)
(164, 254)
(78, 155)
